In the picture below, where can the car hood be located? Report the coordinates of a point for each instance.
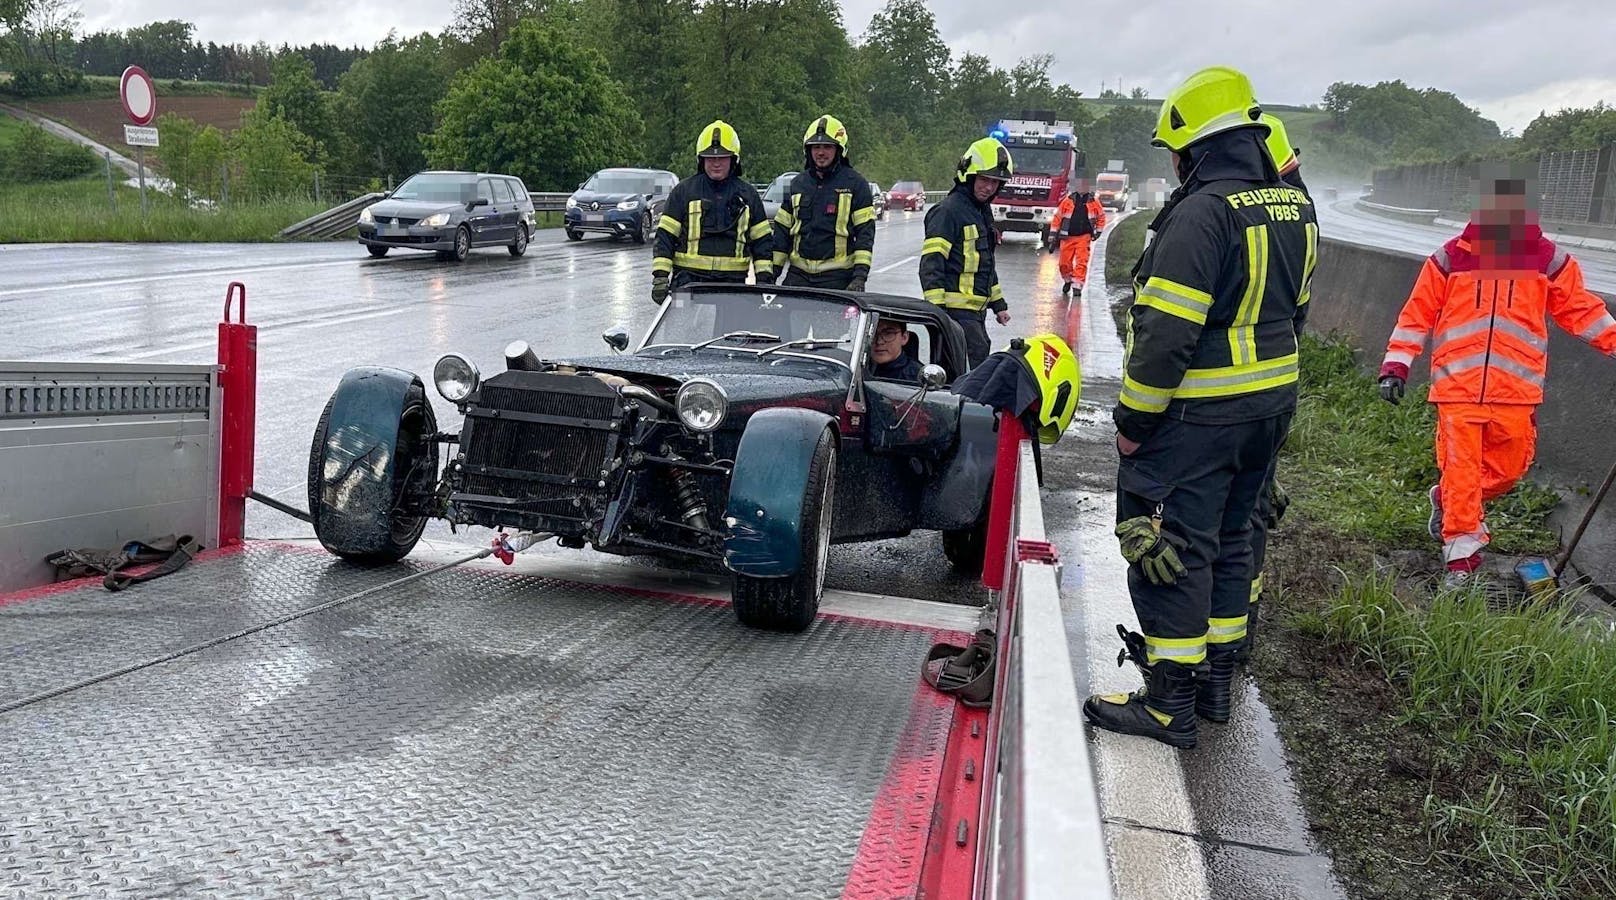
(415, 209)
(604, 199)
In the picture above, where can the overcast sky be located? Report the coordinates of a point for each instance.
(1509, 58)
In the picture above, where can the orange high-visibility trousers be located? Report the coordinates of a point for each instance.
(1483, 449)
(1074, 259)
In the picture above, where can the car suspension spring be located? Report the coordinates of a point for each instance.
(687, 494)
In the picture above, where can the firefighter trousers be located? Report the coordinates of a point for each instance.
(1483, 449)
(1205, 480)
(1074, 259)
(975, 324)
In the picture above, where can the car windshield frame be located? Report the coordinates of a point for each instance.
(908, 187)
(781, 184)
(465, 188)
(848, 339)
(615, 182)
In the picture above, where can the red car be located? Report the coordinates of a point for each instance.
(907, 195)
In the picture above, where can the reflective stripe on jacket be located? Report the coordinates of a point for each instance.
(1488, 326)
(708, 227)
(826, 224)
(956, 259)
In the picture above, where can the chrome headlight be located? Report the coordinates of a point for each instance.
(701, 404)
(572, 202)
(365, 218)
(629, 204)
(455, 377)
(436, 220)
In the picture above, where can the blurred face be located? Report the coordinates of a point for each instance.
(823, 155)
(716, 167)
(1502, 220)
(890, 338)
(987, 187)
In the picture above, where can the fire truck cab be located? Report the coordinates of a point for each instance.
(1047, 162)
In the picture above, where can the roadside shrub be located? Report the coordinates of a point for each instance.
(35, 155)
(44, 80)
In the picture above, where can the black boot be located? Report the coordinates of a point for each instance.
(1066, 289)
(1164, 709)
(1214, 694)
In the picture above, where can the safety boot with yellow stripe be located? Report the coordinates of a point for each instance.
(1164, 709)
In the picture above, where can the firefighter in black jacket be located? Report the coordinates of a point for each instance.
(956, 260)
(1208, 390)
(713, 227)
(825, 229)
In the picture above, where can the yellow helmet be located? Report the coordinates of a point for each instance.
(718, 139)
(1213, 100)
(826, 130)
(1060, 383)
(988, 158)
(1279, 145)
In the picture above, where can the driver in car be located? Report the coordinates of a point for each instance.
(891, 362)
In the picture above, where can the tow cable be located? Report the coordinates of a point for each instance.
(503, 546)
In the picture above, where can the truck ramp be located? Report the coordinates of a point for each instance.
(275, 721)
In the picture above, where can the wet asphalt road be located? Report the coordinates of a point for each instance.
(321, 308)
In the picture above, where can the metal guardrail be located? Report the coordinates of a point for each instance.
(332, 222)
(1423, 216)
(1044, 837)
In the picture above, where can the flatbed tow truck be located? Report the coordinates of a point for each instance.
(272, 720)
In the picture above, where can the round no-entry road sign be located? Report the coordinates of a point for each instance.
(138, 94)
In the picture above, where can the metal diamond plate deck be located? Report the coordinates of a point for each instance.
(466, 734)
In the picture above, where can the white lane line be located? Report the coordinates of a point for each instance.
(280, 329)
(906, 260)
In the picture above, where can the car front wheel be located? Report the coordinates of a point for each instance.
(462, 244)
(376, 252)
(792, 602)
(574, 234)
(644, 234)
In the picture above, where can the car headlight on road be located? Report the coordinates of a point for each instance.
(629, 204)
(572, 202)
(701, 404)
(436, 220)
(455, 377)
(365, 218)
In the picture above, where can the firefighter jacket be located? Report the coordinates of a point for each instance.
(1487, 323)
(714, 228)
(826, 223)
(956, 260)
(1078, 226)
(1220, 296)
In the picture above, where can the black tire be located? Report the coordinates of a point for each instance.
(519, 245)
(462, 244)
(411, 470)
(792, 603)
(376, 252)
(644, 234)
(574, 234)
(966, 547)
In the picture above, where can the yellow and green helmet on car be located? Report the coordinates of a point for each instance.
(718, 139)
(1060, 383)
(1212, 101)
(988, 158)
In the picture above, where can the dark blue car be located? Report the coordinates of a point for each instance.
(748, 429)
(619, 202)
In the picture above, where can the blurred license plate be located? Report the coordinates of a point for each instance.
(391, 230)
(594, 217)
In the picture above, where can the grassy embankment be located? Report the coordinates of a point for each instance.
(1444, 744)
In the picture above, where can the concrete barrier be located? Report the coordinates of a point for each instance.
(1357, 293)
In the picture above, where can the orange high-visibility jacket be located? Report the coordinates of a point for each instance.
(1488, 327)
(1067, 206)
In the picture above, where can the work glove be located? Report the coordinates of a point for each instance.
(856, 283)
(1054, 243)
(1278, 502)
(1144, 545)
(1391, 389)
(659, 289)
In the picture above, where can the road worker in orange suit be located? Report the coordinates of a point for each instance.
(1481, 301)
(1076, 232)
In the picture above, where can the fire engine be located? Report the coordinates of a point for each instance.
(1047, 161)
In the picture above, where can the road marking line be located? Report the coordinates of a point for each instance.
(296, 326)
(906, 259)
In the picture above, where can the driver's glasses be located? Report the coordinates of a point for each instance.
(885, 336)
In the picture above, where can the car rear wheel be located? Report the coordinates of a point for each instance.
(519, 246)
(792, 602)
(644, 234)
(376, 252)
(462, 244)
(574, 235)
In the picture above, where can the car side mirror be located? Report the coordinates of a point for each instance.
(480, 201)
(616, 338)
(933, 376)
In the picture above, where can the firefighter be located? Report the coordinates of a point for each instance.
(825, 229)
(1482, 300)
(1076, 237)
(1273, 501)
(1209, 387)
(956, 260)
(713, 227)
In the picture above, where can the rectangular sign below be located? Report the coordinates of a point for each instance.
(139, 136)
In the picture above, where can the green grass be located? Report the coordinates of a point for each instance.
(1123, 247)
(79, 210)
(1523, 700)
(101, 87)
(1367, 464)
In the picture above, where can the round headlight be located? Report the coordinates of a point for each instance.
(572, 202)
(455, 377)
(366, 217)
(701, 405)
